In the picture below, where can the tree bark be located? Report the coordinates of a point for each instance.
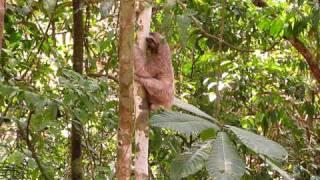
(308, 56)
(300, 47)
(77, 59)
(141, 103)
(2, 13)
(126, 101)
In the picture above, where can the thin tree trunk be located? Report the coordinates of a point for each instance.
(2, 13)
(78, 37)
(126, 101)
(142, 109)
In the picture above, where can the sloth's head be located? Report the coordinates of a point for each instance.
(154, 40)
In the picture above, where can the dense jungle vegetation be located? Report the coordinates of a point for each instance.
(247, 76)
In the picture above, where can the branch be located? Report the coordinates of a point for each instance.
(300, 47)
(24, 131)
(221, 40)
(308, 56)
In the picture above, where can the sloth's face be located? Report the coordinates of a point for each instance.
(153, 42)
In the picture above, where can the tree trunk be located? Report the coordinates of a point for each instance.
(77, 59)
(141, 103)
(126, 101)
(2, 13)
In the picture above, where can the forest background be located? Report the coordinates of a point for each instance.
(247, 64)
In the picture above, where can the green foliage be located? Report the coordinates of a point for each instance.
(184, 123)
(260, 144)
(190, 108)
(224, 162)
(191, 161)
(252, 81)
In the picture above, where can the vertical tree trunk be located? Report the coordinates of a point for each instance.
(77, 59)
(142, 111)
(126, 101)
(2, 12)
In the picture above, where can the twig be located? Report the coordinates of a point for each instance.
(25, 135)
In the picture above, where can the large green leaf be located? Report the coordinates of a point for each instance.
(190, 162)
(190, 108)
(260, 144)
(183, 123)
(224, 162)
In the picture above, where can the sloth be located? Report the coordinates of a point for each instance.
(155, 72)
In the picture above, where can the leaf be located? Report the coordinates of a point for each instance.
(208, 134)
(190, 108)
(51, 111)
(264, 24)
(190, 162)
(103, 45)
(180, 122)
(34, 100)
(276, 27)
(260, 144)
(39, 122)
(300, 26)
(44, 117)
(224, 162)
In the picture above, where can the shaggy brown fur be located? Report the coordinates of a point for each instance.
(155, 72)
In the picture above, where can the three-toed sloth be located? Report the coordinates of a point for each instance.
(155, 72)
